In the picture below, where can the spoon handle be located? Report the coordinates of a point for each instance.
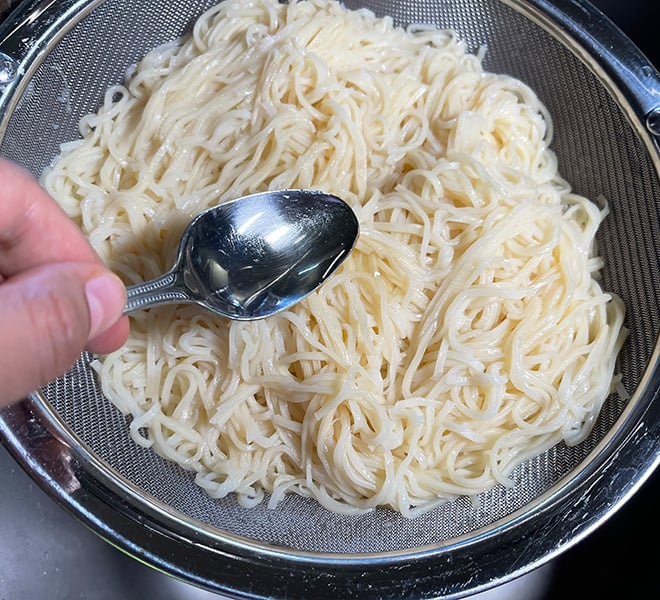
(166, 289)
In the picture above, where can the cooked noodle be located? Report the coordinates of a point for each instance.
(467, 331)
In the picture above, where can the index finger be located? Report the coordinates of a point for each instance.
(34, 230)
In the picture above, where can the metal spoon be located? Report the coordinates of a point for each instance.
(254, 256)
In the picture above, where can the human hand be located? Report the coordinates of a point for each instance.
(56, 296)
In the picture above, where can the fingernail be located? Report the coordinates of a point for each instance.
(106, 298)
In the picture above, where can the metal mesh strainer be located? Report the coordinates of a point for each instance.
(606, 108)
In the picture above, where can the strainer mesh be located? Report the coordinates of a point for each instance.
(599, 153)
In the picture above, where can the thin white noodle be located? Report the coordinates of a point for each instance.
(467, 331)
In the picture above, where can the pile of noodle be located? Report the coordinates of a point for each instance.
(467, 331)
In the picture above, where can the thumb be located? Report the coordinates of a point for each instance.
(47, 316)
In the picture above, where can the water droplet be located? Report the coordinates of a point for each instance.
(8, 69)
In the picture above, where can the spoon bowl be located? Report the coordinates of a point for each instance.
(251, 257)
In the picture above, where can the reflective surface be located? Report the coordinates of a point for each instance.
(254, 256)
